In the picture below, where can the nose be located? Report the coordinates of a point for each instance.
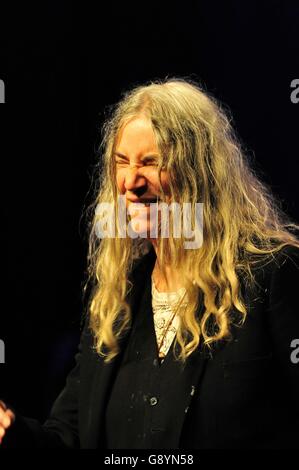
(133, 180)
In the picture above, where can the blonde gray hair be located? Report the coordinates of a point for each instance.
(242, 220)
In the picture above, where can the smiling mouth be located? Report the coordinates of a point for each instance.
(147, 202)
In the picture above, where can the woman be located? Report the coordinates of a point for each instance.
(183, 347)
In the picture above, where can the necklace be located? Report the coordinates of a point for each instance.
(164, 334)
(162, 303)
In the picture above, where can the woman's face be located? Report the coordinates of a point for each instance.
(136, 156)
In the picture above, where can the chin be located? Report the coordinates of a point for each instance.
(141, 228)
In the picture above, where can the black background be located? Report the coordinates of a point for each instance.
(62, 64)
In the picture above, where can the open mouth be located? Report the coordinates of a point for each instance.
(151, 201)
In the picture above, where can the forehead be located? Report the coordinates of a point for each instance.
(136, 137)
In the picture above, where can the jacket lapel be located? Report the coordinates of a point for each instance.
(193, 375)
(104, 374)
(180, 397)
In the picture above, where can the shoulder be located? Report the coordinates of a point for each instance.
(282, 312)
(288, 252)
(284, 270)
(276, 284)
(279, 267)
(283, 285)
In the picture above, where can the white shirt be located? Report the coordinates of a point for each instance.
(163, 310)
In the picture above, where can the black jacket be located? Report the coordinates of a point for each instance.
(242, 394)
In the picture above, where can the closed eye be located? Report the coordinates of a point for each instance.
(121, 162)
(145, 162)
(150, 162)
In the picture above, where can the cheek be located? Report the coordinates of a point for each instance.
(153, 179)
(165, 182)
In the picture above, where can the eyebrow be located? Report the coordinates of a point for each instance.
(118, 154)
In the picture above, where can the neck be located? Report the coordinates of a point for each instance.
(171, 282)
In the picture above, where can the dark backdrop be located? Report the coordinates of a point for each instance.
(62, 65)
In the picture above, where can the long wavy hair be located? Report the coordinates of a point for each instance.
(242, 220)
